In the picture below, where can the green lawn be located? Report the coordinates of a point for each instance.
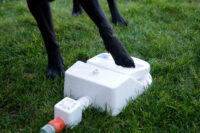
(166, 33)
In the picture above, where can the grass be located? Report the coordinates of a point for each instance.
(166, 33)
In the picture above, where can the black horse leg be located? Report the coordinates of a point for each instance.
(116, 16)
(40, 9)
(76, 8)
(111, 41)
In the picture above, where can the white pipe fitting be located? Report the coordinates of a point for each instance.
(70, 110)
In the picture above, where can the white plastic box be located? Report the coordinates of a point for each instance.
(107, 85)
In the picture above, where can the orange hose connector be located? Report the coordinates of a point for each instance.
(58, 124)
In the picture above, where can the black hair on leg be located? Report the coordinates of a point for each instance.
(111, 41)
(41, 11)
(76, 8)
(116, 16)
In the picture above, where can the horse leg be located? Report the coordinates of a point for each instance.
(116, 16)
(41, 11)
(76, 8)
(111, 41)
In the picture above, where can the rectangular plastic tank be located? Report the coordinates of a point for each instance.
(109, 87)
